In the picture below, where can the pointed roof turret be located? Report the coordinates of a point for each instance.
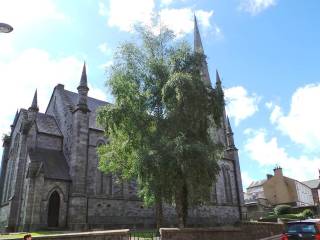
(83, 80)
(34, 105)
(83, 90)
(218, 89)
(197, 39)
(218, 80)
(229, 133)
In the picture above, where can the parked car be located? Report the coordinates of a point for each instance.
(305, 229)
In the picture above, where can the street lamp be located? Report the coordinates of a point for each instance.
(5, 28)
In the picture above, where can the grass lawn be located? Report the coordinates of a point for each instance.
(34, 234)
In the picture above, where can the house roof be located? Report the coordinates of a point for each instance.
(47, 124)
(257, 183)
(312, 183)
(54, 163)
(93, 105)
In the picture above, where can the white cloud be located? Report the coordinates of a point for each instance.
(166, 2)
(267, 152)
(103, 47)
(180, 21)
(254, 7)
(246, 179)
(204, 17)
(102, 9)
(21, 14)
(125, 14)
(275, 114)
(301, 124)
(97, 93)
(269, 105)
(240, 105)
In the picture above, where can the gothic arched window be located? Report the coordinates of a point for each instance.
(213, 196)
(227, 184)
(11, 169)
(104, 181)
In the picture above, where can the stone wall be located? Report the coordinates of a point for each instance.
(49, 142)
(4, 212)
(246, 231)
(98, 235)
(258, 230)
(200, 233)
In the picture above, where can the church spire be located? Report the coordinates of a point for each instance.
(197, 39)
(230, 140)
(198, 48)
(34, 105)
(83, 90)
(218, 81)
(83, 80)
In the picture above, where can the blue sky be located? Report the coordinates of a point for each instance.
(267, 53)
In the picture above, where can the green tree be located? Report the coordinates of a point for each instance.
(160, 122)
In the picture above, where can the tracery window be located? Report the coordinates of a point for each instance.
(11, 169)
(227, 184)
(104, 181)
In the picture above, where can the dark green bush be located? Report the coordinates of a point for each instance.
(282, 209)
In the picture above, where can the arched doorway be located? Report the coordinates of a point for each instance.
(53, 210)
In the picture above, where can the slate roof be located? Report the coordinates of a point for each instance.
(54, 163)
(312, 183)
(93, 105)
(257, 183)
(47, 124)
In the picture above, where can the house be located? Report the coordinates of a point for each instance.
(315, 188)
(280, 189)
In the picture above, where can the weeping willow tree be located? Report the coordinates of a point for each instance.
(160, 121)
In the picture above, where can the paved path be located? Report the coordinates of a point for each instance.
(275, 237)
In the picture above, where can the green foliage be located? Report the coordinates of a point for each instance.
(282, 209)
(307, 213)
(162, 123)
(298, 216)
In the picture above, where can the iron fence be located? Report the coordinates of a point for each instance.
(144, 235)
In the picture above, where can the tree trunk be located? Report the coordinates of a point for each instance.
(181, 200)
(159, 213)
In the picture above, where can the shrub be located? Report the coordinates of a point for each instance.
(307, 213)
(282, 209)
(292, 216)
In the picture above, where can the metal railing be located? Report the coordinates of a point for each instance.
(144, 235)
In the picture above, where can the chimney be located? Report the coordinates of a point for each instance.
(278, 171)
(60, 86)
(269, 176)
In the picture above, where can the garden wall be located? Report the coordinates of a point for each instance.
(245, 231)
(97, 235)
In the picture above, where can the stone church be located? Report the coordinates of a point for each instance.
(50, 180)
